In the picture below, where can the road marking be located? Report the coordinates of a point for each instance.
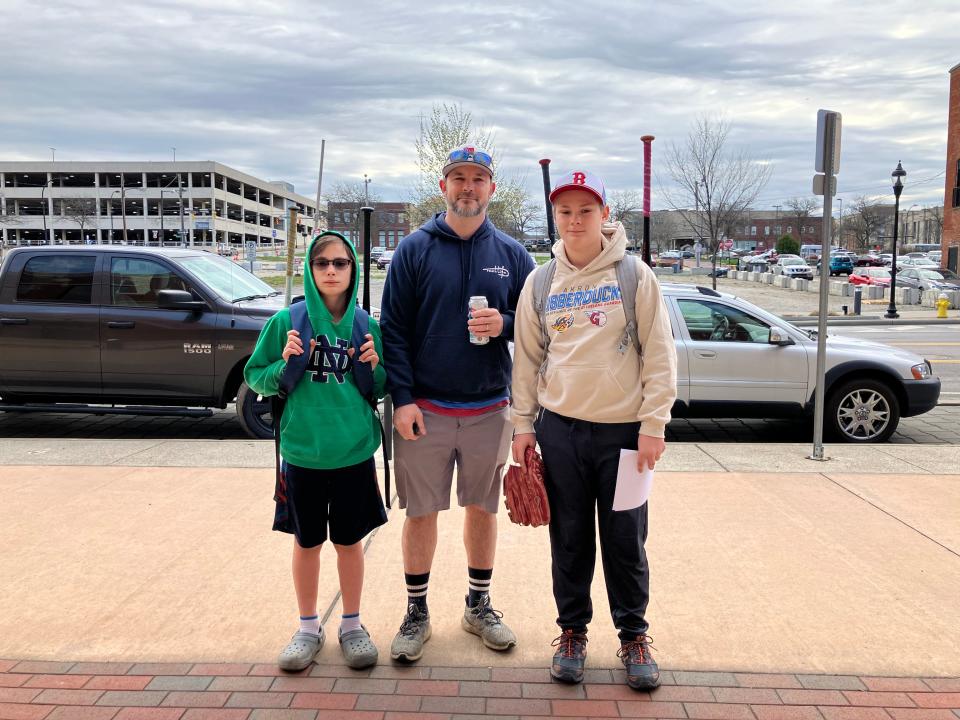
(923, 344)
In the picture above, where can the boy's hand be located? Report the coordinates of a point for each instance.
(368, 352)
(649, 450)
(487, 322)
(294, 345)
(520, 444)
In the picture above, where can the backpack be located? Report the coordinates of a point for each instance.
(293, 371)
(627, 279)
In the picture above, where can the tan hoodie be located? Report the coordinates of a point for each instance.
(589, 374)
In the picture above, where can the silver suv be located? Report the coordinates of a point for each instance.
(737, 360)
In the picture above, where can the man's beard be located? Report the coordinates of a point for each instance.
(458, 208)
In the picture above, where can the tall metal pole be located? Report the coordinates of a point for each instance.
(367, 217)
(819, 394)
(897, 189)
(647, 140)
(316, 218)
(123, 206)
(183, 231)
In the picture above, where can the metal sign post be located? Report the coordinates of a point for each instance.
(291, 249)
(827, 162)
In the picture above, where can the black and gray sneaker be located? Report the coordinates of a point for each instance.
(414, 631)
(643, 673)
(488, 623)
(570, 657)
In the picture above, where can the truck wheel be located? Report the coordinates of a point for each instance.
(862, 411)
(254, 413)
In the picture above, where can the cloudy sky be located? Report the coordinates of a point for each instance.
(256, 84)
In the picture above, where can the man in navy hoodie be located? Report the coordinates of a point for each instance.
(451, 395)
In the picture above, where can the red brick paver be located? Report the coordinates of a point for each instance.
(44, 690)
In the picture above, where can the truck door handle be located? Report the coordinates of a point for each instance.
(705, 354)
(125, 325)
(13, 321)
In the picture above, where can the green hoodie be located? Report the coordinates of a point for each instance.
(326, 424)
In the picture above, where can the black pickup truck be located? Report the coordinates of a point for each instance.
(130, 329)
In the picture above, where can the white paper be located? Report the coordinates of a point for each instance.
(633, 486)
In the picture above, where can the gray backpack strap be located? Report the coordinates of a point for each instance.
(628, 280)
(542, 277)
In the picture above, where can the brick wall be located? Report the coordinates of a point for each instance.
(951, 209)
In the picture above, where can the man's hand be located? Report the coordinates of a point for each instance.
(649, 450)
(294, 345)
(520, 444)
(487, 322)
(367, 352)
(404, 419)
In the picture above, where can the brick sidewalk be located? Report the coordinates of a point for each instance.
(33, 690)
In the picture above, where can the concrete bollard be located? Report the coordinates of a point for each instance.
(799, 284)
(874, 292)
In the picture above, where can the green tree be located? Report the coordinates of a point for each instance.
(786, 245)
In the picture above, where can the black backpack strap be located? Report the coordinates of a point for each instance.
(297, 364)
(363, 377)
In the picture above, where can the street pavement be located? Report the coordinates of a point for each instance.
(939, 426)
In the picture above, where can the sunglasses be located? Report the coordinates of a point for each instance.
(470, 155)
(339, 263)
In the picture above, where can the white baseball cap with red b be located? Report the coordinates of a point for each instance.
(580, 180)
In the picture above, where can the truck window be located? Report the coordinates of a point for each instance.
(136, 281)
(57, 279)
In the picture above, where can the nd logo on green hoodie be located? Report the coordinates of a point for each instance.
(327, 423)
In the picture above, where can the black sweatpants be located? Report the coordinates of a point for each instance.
(581, 460)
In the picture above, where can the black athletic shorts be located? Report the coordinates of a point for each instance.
(348, 499)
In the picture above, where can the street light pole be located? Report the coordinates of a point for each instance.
(366, 193)
(43, 208)
(897, 175)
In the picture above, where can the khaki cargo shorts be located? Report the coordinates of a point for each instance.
(477, 446)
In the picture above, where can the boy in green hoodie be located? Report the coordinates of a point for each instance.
(328, 435)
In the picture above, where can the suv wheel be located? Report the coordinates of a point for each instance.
(254, 413)
(863, 411)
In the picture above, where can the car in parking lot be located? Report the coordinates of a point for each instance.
(927, 279)
(792, 266)
(916, 262)
(870, 276)
(383, 262)
(668, 258)
(839, 265)
(735, 359)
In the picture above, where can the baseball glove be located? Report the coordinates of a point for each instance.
(524, 492)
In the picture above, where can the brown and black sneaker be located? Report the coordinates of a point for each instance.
(643, 673)
(570, 657)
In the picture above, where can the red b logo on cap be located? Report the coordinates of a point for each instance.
(579, 178)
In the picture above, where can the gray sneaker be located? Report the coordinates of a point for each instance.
(414, 632)
(486, 622)
(358, 649)
(300, 651)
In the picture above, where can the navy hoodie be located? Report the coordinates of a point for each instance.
(426, 346)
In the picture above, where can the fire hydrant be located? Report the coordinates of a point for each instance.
(942, 305)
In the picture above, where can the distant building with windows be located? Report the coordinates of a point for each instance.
(760, 229)
(152, 203)
(389, 223)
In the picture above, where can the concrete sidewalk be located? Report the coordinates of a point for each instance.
(141, 582)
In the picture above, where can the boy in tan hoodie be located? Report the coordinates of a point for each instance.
(585, 396)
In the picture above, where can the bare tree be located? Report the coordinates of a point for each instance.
(82, 211)
(626, 207)
(720, 182)
(450, 126)
(937, 234)
(352, 196)
(799, 209)
(864, 223)
(513, 210)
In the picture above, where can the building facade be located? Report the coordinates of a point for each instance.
(154, 203)
(950, 243)
(389, 223)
